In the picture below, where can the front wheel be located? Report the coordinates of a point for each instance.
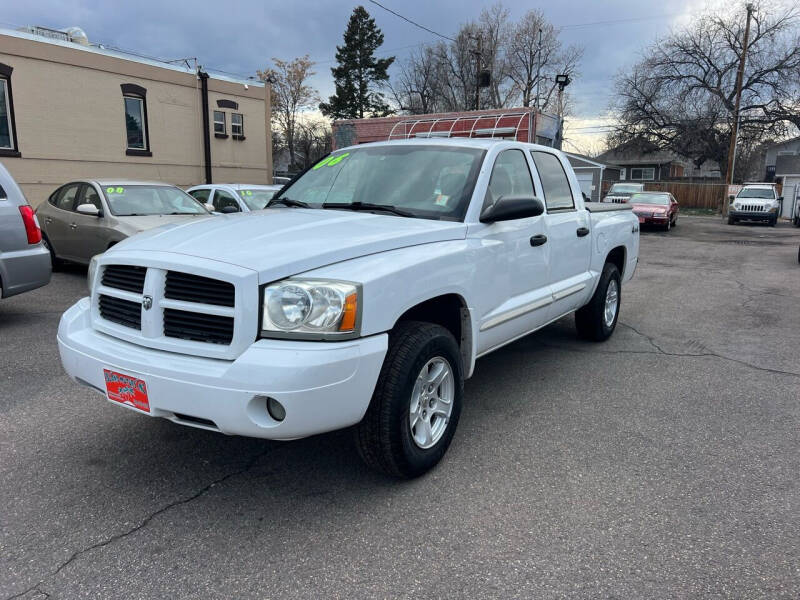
(597, 320)
(731, 221)
(415, 407)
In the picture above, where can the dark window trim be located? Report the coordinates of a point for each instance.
(221, 136)
(5, 73)
(227, 104)
(239, 137)
(133, 90)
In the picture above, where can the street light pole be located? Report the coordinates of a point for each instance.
(735, 129)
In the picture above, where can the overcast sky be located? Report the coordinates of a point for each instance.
(241, 36)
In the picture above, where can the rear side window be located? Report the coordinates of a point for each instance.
(201, 195)
(510, 177)
(66, 200)
(555, 185)
(223, 199)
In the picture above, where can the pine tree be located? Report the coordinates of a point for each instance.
(359, 75)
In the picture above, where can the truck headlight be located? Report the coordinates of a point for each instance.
(92, 272)
(311, 309)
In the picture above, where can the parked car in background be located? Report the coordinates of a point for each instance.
(281, 180)
(84, 218)
(655, 208)
(620, 192)
(362, 296)
(234, 197)
(755, 202)
(24, 261)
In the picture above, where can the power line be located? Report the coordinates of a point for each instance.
(414, 23)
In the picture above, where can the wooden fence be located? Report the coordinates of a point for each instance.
(688, 195)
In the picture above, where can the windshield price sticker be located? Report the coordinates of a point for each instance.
(115, 190)
(246, 192)
(330, 161)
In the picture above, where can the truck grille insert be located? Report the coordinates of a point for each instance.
(124, 277)
(121, 311)
(752, 207)
(198, 327)
(194, 288)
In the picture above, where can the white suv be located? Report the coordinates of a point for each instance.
(755, 202)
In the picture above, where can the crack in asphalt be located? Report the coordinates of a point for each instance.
(145, 522)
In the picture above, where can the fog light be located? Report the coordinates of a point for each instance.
(275, 409)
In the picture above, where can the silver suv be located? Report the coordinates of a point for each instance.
(24, 261)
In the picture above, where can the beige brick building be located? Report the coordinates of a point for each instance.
(70, 111)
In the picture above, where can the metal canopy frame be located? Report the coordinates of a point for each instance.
(408, 126)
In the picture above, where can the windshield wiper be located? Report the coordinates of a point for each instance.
(368, 206)
(287, 202)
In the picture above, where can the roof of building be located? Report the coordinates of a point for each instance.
(784, 142)
(592, 161)
(129, 55)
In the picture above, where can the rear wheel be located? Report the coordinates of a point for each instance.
(597, 320)
(55, 262)
(416, 405)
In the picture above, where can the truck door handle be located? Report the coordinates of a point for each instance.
(582, 231)
(538, 240)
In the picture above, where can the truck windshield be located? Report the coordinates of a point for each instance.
(650, 199)
(765, 193)
(130, 200)
(625, 188)
(422, 181)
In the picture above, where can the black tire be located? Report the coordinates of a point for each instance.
(796, 221)
(675, 222)
(668, 226)
(731, 220)
(55, 262)
(773, 222)
(589, 320)
(384, 437)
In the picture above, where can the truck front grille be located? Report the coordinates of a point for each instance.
(752, 207)
(123, 312)
(198, 327)
(194, 288)
(124, 277)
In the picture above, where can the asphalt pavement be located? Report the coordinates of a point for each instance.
(660, 464)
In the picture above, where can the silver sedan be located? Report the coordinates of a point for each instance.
(84, 218)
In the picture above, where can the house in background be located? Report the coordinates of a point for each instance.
(783, 166)
(591, 174)
(73, 110)
(642, 162)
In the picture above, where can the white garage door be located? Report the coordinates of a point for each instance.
(791, 195)
(585, 179)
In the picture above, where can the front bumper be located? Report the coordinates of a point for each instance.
(24, 270)
(322, 385)
(752, 216)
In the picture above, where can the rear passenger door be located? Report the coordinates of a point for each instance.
(568, 233)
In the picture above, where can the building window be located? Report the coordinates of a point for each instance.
(237, 126)
(137, 143)
(8, 133)
(648, 173)
(220, 128)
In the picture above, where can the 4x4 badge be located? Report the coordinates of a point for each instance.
(147, 302)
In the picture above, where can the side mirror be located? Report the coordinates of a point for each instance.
(731, 197)
(89, 209)
(509, 208)
(227, 210)
(210, 207)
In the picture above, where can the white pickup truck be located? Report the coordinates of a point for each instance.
(363, 296)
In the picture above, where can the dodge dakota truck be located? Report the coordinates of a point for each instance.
(362, 296)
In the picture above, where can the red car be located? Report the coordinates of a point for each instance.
(655, 208)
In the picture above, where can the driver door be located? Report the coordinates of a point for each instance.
(223, 199)
(512, 260)
(89, 234)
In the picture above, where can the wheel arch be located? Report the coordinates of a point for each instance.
(450, 310)
(617, 257)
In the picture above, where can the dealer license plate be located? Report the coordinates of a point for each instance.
(127, 390)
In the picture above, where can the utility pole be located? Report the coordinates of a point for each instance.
(478, 72)
(735, 129)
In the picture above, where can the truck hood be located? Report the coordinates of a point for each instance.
(133, 225)
(280, 242)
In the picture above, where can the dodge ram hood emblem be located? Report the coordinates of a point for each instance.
(147, 302)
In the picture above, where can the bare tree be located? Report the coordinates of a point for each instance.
(681, 96)
(314, 140)
(290, 96)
